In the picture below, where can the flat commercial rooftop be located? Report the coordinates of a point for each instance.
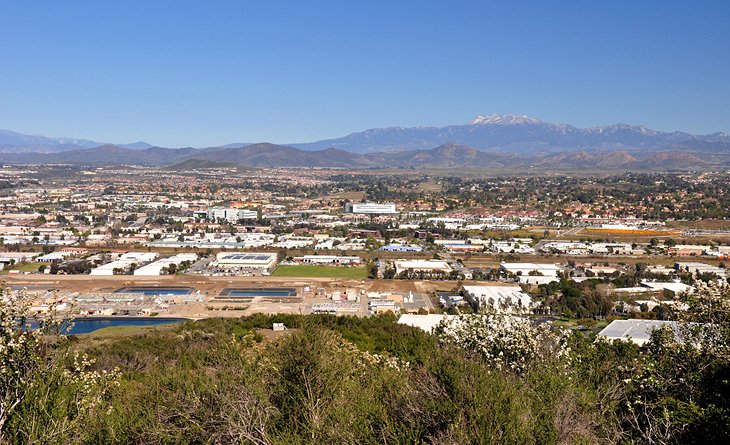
(635, 330)
(426, 323)
(499, 297)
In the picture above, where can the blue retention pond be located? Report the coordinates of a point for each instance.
(91, 324)
(262, 292)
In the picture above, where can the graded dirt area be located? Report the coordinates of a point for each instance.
(210, 287)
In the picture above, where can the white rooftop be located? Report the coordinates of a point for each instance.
(507, 298)
(424, 322)
(545, 269)
(672, 286)
(637, 331)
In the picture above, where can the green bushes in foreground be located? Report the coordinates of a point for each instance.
(368, 381)
(313, 386)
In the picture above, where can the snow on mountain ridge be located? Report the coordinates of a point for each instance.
(504, 119)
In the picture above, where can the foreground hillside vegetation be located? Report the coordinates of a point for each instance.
(363, 380)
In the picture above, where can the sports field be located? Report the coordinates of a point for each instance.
(355, 273)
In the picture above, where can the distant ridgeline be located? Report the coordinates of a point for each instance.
(493, 141)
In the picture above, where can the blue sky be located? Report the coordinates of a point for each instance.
(178, 73)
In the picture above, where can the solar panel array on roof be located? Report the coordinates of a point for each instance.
(247, 256)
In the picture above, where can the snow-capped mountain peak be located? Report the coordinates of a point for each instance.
(604, 129)
(504, 119)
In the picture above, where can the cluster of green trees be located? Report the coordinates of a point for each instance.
(370, 380)
(580, 300)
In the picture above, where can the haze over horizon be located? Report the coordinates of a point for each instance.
(187, 74)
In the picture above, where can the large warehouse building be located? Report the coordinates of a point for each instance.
(124, 263)
(506, 299)
(157, 268)
(330, 260)
(636, 331)
(422, 266)
(546, 270)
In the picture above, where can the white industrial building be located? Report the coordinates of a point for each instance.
(16, 257)
(674, 286)
(537, 280)
(371, 208)
(54, 257)
(328, 243)
(246, 260)
(636, 331)
(230, 214)
(330, 259)
(155, 268)
(124, 262)
(448, 223)
(428, 322)
(294, 242)
(700, 268)
(422, 266)
(503, 299)
(546, 270)
(511, 247)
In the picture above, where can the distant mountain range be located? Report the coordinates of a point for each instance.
(514, 133)
(493, 141)
(12, 142)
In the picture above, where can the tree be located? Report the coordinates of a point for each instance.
(372, 268)
(281, 255)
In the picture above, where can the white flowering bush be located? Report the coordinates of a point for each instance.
(708, 318)
(504, 341)
(677, 382)
(40, 395)
(19, 356)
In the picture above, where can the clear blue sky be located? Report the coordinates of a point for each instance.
(203, 73)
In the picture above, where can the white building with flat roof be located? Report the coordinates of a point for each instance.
(156, 268)
(546, 270)
(427, 322)
(330, 260)
(422, 266)
(124, 262)
(636, 331)
(231, 214)
(700, 268)
(371, 208)
(502, 299)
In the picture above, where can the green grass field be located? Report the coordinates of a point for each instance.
(25, 267)
(355, 273)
